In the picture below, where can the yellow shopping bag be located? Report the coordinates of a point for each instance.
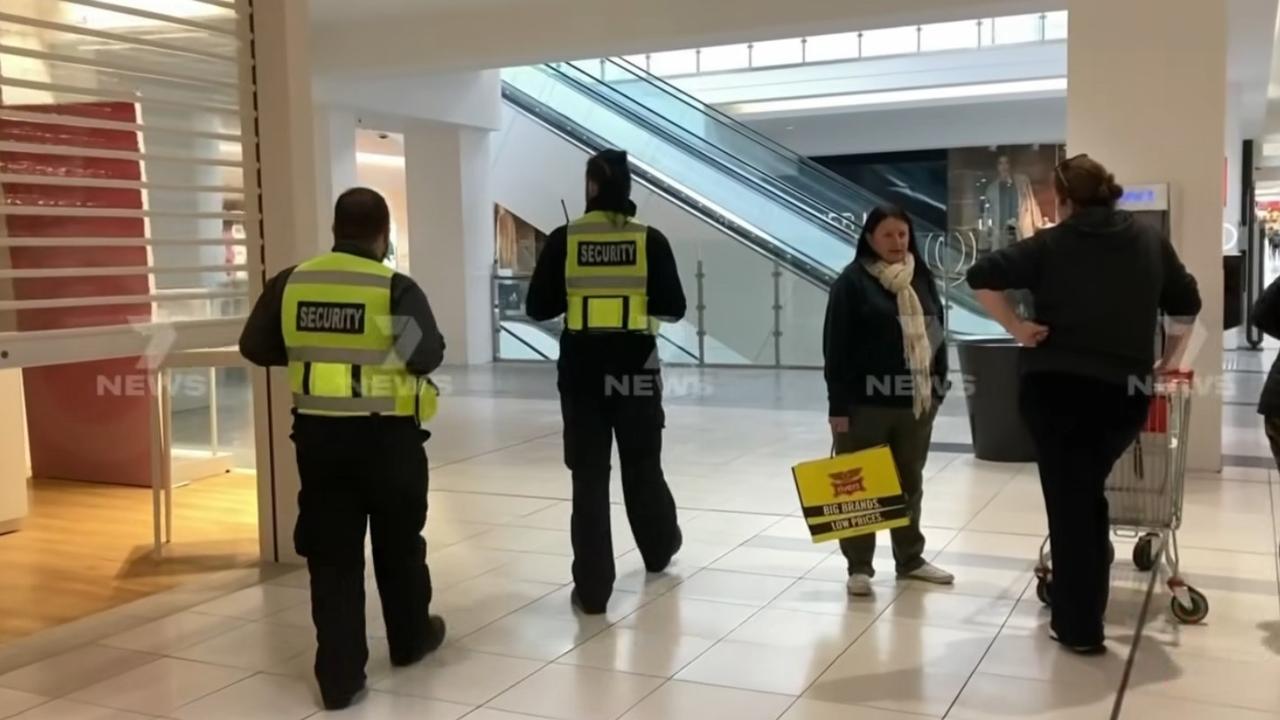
(852, 494)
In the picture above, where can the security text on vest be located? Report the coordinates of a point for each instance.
(607, 254)
(330, 317)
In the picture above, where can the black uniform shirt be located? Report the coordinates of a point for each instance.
(1099, 280)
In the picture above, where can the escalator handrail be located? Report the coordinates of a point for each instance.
(679, 347)
(811, 209)
(809, 269)
(743, 130)
(502, 327)
(777, 187)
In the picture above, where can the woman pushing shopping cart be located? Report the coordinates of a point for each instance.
(1099, 281)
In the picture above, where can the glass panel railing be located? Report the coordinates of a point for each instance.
(1015, 29)
(960, 35)
(519, 337)
(970, 34)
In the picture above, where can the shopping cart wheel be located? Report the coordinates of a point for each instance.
(1194, 614)
(1044, 590)
(1144, 553)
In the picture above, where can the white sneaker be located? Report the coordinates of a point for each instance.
(859, 585)
(930, 573)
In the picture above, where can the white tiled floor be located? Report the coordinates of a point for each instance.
(751, 622)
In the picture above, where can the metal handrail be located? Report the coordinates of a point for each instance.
(810, 270)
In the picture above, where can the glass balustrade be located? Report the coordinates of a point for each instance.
(880, 42)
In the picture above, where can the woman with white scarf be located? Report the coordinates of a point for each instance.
(886, 372)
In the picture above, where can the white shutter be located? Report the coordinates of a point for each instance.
(128, 177)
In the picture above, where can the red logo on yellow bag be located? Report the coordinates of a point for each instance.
(848, 482)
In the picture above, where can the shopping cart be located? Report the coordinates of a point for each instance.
(1144, 491)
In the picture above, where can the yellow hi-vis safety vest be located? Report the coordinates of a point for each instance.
(340, 336)
(606, 276)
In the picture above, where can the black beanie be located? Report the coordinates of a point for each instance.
(611, 172)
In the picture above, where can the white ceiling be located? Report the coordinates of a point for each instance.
(450, 35)
(375, 142)
(333, 11)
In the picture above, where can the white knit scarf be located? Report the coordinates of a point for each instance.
(896, 278)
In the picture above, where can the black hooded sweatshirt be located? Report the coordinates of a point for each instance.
(586, 357)
(1099, 281)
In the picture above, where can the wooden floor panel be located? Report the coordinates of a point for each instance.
(86, 547)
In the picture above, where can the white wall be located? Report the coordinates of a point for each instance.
(447, 178)
(385, 173)
(335, 148)
(466, 98)
(975, 125)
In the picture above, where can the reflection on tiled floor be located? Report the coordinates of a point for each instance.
(752, 621)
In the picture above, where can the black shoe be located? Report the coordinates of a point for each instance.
(342, 702)
(1087, 650)
(679, 543)
(435, 638)
(576, 601)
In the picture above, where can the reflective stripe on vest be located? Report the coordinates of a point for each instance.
(340, 339)
(607, 275)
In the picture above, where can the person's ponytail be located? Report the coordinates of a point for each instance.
(1086, 183)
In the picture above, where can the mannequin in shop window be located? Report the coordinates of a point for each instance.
(1011, 208)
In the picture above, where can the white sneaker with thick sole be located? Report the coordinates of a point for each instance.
(859, 585)
(930, 573)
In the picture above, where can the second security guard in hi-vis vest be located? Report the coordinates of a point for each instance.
(613, 280)
(359, 340)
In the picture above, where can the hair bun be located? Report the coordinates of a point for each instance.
(1116, 189)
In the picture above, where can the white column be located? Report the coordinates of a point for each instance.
(290, 235)
(1147, 98)
(335, 147)
(451, 233)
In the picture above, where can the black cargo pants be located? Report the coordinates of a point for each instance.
(630, 409)
(1081, 427)
(358, 472)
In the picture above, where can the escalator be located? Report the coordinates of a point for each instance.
(781, 204)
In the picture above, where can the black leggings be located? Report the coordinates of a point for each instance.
(1081, 427)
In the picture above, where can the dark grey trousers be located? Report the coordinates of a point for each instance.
(908, 439)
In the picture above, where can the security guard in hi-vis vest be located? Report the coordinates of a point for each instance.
(359, 340)
(612, 279)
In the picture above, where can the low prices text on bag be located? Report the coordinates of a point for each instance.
(851, 494)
